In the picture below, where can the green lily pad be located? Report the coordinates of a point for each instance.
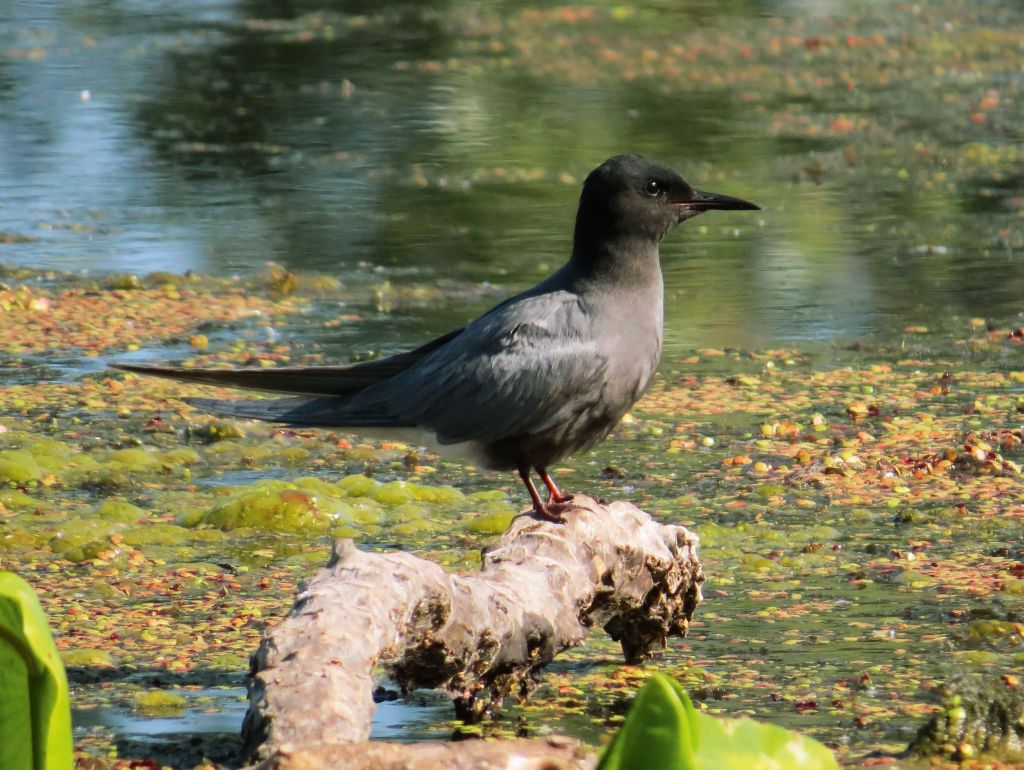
(35, 712)
(663, 731)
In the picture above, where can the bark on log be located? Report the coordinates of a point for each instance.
(541, 586)
(537, 754)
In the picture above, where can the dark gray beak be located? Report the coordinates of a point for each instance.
(706, 201)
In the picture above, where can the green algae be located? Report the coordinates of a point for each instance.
(124, 282)
(312, 506)
(87, 657)
(120, 510)
(13, 499)
(358, 485)
(413, 528)
(19, 467)
(862, 622)
(75, 533)
(441, 494)
(222, 548)
(161, 533)
(158, 703)
(271, 507)
(180, 456)
(1013, 586)
(406, 512)
(133, 459)
(492, 523)
(394, 493)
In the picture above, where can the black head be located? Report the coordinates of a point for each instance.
(630, 196)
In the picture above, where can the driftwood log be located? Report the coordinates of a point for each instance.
(479, 636)
(538, 754)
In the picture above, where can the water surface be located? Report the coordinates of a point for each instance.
(448, 141)
(439, 148)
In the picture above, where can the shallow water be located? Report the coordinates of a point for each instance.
(218, 713)
(431, 155)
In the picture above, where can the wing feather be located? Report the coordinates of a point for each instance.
(313, 380)
(504, 377)
(527, 365)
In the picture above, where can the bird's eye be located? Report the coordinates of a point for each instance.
(653, 187)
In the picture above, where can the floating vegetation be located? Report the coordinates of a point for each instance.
(856, 486)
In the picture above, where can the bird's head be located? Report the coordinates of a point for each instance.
(631, 196)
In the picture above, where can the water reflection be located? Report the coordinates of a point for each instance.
(215, 136)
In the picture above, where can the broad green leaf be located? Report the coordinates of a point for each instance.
(659, 731)
(692, 715)
(743, 744)
(35, 711)
(663, 731)
(15, 709)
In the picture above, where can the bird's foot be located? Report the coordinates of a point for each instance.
(553, 510)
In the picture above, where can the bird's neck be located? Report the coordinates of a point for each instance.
(625, 262)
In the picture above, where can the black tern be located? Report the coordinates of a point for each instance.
(544, 374)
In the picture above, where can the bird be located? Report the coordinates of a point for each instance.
(544, 374)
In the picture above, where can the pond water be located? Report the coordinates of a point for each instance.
(433, 153)
(447, 142)
(217, 714)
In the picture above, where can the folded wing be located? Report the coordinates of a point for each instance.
(502, 377)
(498, 377)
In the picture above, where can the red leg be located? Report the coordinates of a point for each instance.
(554, 493)
(524, 474)
(552, 509)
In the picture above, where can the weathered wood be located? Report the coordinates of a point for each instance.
(537, 754)
(479, 636)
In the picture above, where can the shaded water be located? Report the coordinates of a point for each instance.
(443, 145)
(447, 142)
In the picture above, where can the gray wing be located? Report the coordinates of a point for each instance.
(524, 367)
